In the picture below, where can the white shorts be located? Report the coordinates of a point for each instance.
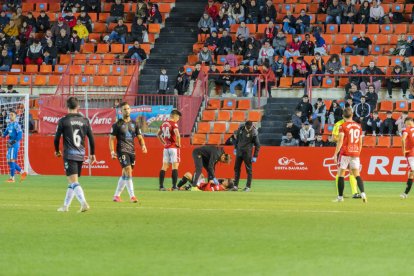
(171, 155)
(410, 161)
(349, 162)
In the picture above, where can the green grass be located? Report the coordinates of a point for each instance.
(281, 228)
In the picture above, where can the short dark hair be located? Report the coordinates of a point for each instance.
(72, 103)
(408, 119)
(348, 113)
(121, 105)
(175, 112)
(405, 112)
(363, 97)
(248, 124)
(389, 112)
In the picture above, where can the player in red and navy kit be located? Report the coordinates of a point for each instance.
(206, 186)
(408, 152)
(169, 135)
(349, 145)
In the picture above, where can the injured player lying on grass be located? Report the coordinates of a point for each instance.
(225, 184)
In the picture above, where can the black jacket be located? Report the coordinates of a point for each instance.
(225, 42)
(51, 50)
(373, 71)
(62, 44)
(7, 60)
(45, 21)
(19, 55)
(117, 10)
(75, 44)
(134, 50)
(210, 156)
(246, 139)
(245, 70)
(372, 99)
(306, 108)
(121, 30)
(269, 12)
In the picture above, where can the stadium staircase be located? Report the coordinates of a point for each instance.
(174, 44)
(276, 112)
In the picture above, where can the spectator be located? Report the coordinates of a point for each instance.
(362, 45)
(269, 78)
(353, 79)
(43, 22)
(335, 113)
(70, 19)
(17, 17)
(138, 31)
(289, 23)
(181, 82)
(375, 80)
(82, 31)
(253, 82)
(334, 13)
(222, 22)
(323, 6)
(290, 127)
(212, 42)
(225, 44)
(205, 24)
(141, 11)
(49, 53)
(316, 76)
(163, 83)
(75, 43)
(48, 36)
(411, 96)
(303, 22)
(212, 10)
(196, 71)
(270, 31)
(86, 20)
(388, 126)
(349, 102)
(377, 14)
(239, 46)
(31, 21)
(371, 97)
(319, 142)
(301, 69)
(318, 61)
(400, 123)
(354, 94)
(403, 47)
(297, 119)
(62, 42)
(319, 115)
(205, 56)
(136, 53)
(34, 54)
(307, 46)
(226, 78)
(289, 68)
(240, 80)
(213, 77)
(243, 31)
(320, 45)
(10, 90)
(116, 13)
(11, 30)
(251, 55)
(119, 33)
(5, 61)
(397, 80)
(256, 43)
(18, 53)
(4, 19)
(269, 12)
(266, 54)
(231, 59)
(252, 13)
(3, 40)
(307, 135)
(363, 13)
(373, 124)
(288, 140)
(305, 107)
(237, 14)
(293, 48)
(407, 66)
(25, 32)
(279, 67)
(61, 24)
(11, 4)
(362, 111)
(334, 66)
(349, 13)
(279, 43)
(93, 6)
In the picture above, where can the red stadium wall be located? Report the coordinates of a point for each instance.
(378, 164)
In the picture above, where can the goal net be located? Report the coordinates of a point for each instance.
(20, 104)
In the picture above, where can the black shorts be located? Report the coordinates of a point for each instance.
(126, 159)
(72, 167)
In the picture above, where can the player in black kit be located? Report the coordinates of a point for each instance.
(125, 131)
(74, 127)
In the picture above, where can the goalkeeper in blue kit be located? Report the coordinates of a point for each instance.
(15, 134)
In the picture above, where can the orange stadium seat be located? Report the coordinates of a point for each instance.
(203, 127)
(102, 48)
(117, 48)
(99, 80)
(238, 116)
(386, 106)
(254, 116)
(396, 141)
(229, 104)
(244, 104)
(32, 68)
(112, 80)
(208, 115)
(11, 80)
(214, 139)
(89, 69)
(154, 28)
(54, 7)
(54, 80)
(346, 28)
(328, 82)
(25, 80)
(400, 29)
(88, 48)
(328, 129)
(126, 80)
(359, 28)
(384, 141)
(40, 80)
(213, 104)
(223, 115)
(386, 29)
(45, 69)
(331, 29)
(75, 69)
(233, 127)
(285, 82)
(219, 127)
(369, 141)
(373, 29)
(104, 70)
(401, 106)
(65, 59)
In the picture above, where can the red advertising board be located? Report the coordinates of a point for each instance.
(378, 164)
(101, 119)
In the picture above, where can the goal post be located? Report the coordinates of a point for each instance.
(18, 103)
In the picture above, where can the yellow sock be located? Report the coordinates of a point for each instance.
(336, 182)
(353, 184)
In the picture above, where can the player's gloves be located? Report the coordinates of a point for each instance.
(254, 159)
(216, 181)
(235, 152)
(10, 143)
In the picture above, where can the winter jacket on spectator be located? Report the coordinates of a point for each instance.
(121, 29)
(307, 47)
(347, 9)
(293, 129)
(253, 12)
(295, 46)
(212, 10)
(407, 66)
(239, 47)
(30, 20)
(243, 31)
(372, 71)
(355, 96)
(139, 51)
(355, 79)
(142, 10)
(137, 32)
(362, 43)
(71, 20)
(307, 135)
(266, 53)
(4, 20)
(237, 13)
(196, 72)
(372, 98)
(334, 10)
(251, 54)
(212, 42)
(57, 27)
(362, 110)
(292, 20)
(62, 44)
(306, 109)
(333, 67)
(377, 12)
(75, 44)
(117, 10)
(205, 56)
(154, 15)
(374, 124)
(297, 121)
(82, 31)
(224, 44)
(86, 20)
(231, 59)
(226, 76)
(18, 54)
(181, 83)
(34, 51)
(319, 112)
(269, 75)
(286, 142)
(6, 61)
(269, 13)
(245, 70)
(320, 64)
(270, 33)
(205, 23)
(51, 50)
(11, 31)
(43, 22)
(363, 15)
(316, 80)
(279, 43)
(305, 19)
(388, 127)
(222, 23)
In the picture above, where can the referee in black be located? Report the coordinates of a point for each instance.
(246, 136)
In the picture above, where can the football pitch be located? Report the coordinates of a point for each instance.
(280, 228)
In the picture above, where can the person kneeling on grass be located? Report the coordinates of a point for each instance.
(225, 184)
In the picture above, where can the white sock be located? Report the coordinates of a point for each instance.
(80, 196)
(70, 194)
(130, 186)
(340, 197)
(363, 195)
(120, 187)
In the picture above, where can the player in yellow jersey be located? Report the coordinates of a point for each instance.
(352, 179)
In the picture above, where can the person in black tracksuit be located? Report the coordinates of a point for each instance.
(246, 137)
(208, 157)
